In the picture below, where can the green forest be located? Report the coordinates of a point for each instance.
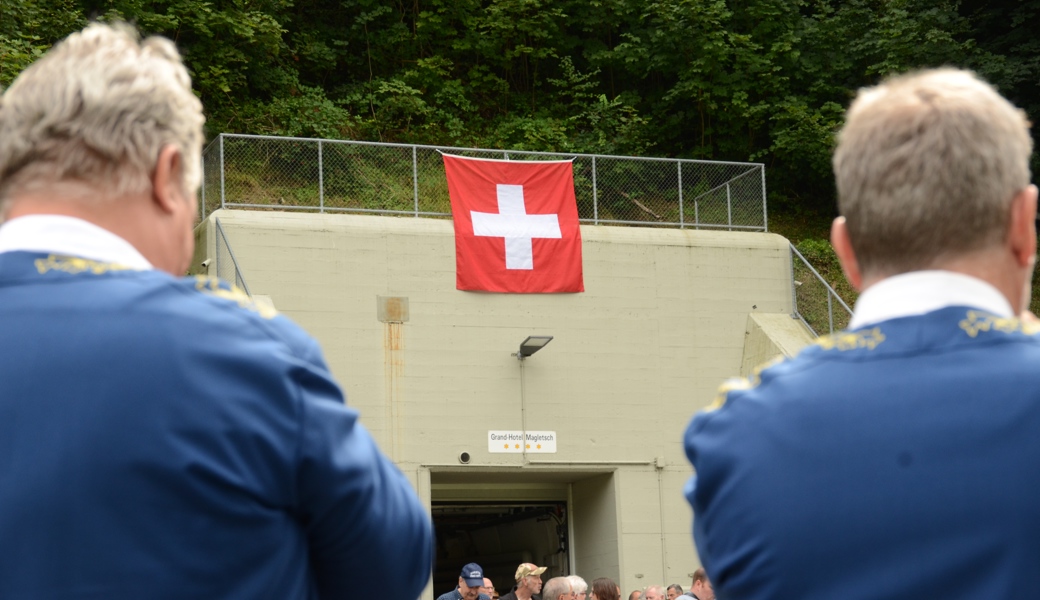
(748, 80)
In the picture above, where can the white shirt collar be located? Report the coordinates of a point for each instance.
(922, 292)
(70, 236)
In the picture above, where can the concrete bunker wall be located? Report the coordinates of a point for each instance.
(662, 322)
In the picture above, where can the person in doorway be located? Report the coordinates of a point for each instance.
(489, 589)
(557, 588)
(674, 591)
(470, 586)
(933, 393)
(162, 437)
(528, 583)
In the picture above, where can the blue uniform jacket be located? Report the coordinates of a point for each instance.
(167, 438)
(898, 461)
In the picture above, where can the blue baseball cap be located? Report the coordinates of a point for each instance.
(473, 575)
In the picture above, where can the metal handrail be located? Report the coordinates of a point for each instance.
(831, 295)
(240, 280)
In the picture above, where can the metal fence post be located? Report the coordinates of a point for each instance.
(415, 179)
(202, 205)
(794, 287)
(765, 214)
(830, 311)
(681, 215)
(595, 194)
(321, 181)
(222, 170)
(729, 208)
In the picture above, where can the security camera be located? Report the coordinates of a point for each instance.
(464, 458)
(207, 262)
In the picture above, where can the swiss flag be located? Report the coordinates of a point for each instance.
(516, 225)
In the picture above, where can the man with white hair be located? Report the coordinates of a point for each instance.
(557, 588)
(654, 592)
(578, 587)
(883, 459)
(161, 437)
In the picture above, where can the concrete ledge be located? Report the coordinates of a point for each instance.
(769, 335)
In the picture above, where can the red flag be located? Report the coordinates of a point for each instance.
(516, 225)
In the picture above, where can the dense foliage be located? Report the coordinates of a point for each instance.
(762, 80)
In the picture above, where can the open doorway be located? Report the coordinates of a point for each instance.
(499, 536)
(564, 519)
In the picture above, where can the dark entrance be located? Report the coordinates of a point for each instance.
(498, 536)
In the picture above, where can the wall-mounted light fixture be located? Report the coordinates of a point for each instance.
(532, 344)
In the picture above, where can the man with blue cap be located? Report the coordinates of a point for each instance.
(471, 585)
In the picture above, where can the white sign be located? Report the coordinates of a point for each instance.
(513, 441)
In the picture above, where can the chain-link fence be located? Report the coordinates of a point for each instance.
(281, 173)
(225, 263)
(815, 301)
(278, 173)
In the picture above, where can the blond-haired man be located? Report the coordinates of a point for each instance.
(161, 437)
(883, 459)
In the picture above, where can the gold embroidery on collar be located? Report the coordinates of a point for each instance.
(741, 383)
(852, 340)
(212, 286)
(976, 322)
(75, 265)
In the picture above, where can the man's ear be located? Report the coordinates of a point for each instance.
(846, 255)
(1022, 228)
(168, 178)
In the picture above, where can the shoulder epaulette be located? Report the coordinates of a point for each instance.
(976, 322)
(211, 286)
(741, 383)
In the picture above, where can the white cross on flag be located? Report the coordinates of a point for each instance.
(516, 225)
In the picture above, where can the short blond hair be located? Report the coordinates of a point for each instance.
(97, 109)
(926, 167)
